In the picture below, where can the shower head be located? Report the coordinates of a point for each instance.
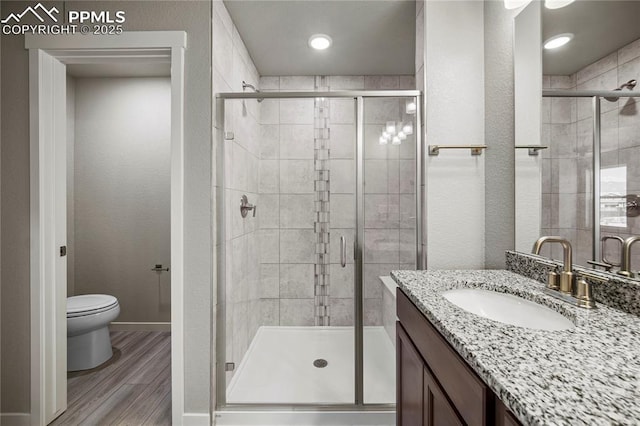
(631, 84)
(246, 85)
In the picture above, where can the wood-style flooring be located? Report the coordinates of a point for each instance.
(132, 388)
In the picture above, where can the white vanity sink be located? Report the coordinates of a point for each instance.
(508, 309)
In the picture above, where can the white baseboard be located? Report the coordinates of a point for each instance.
(140, 326)
(195, 419)
(305, 418)
(15, 419)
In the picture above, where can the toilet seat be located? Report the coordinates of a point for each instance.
(89, 304)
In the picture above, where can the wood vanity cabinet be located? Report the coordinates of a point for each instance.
(435, 386)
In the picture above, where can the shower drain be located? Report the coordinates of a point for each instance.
(320, 363)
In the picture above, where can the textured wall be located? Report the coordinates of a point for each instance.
(499, 133)
(194, 18)
(15, 219)
(485, 207)
(527, 100)
(455, 181)
(122, 193)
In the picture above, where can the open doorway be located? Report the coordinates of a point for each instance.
(107, 205)
(118, 244)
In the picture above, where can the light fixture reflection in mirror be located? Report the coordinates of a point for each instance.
(410, 107)
(558, 41)
(391, 127)
(514, 4)
(557, 4)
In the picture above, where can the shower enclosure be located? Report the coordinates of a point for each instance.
(318, 195)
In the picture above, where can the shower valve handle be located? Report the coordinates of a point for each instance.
(245, 206)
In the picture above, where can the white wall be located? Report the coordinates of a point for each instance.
(122, 193)
(454, 70)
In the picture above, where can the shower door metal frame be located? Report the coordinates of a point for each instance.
(218, 356)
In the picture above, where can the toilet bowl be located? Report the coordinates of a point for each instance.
(88, 340)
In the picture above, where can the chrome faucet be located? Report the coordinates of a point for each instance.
(625, 267)
(566, 276)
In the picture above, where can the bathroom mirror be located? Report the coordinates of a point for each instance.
(555, 189)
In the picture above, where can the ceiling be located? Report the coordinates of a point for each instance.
(370, 37)
(599, 28)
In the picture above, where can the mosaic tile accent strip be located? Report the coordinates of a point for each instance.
(587, 375)
(321, 139)
(619, 293)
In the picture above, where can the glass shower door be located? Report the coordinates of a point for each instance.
(331, 205)
(390, 231)
(290, 262)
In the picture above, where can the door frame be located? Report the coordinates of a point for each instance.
(46, 84)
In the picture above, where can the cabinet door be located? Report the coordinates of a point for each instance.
(438, 411)
(409, 378)
(504, 416)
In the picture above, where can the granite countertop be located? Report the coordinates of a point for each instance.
(587, 375)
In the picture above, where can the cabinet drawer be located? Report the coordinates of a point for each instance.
(467, 392)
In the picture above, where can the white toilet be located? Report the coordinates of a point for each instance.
(88, 340)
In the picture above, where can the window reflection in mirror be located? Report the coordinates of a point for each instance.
(613, 198)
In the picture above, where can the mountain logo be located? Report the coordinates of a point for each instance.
(43, 11)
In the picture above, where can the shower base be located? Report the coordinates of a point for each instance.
(278, 367)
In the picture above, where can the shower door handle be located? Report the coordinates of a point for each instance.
(343, 251)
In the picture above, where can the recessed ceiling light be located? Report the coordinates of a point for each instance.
(558, 41)
(557, 4)
(320, 41)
